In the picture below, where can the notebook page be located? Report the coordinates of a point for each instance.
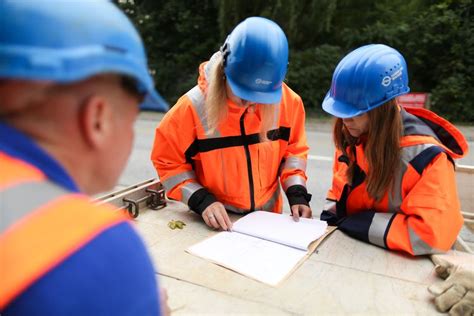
(281, 228)
(262, 260)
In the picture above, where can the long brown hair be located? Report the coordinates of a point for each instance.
(216, 101)
(382, 147)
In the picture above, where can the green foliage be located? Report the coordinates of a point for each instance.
(178, 35)
(443, 59)
(436, 38)
(310, 73)
(453, 97)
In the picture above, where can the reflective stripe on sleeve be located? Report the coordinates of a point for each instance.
(419, 246)
(294, 163)
(293, 180)
(188, 189)
(378, 227)
(173, 181)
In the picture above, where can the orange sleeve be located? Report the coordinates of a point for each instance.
(431, 219)
(174, 135)
(293, 172)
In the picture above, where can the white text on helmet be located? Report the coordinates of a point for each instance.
(262, 81)
(387, 80)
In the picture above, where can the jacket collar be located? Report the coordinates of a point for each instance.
(422, 122)
(18, 145)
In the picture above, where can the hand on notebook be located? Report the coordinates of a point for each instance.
(300, 210)
(215, 216)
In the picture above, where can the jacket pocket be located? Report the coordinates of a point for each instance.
(268, 163)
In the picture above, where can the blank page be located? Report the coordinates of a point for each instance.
(281, 228)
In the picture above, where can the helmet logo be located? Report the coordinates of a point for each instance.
(387, 80)
(262, 81)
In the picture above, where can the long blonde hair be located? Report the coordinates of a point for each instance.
(382, 148)
(216, 102)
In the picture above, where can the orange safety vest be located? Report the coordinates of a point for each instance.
(41, 225)
(232, 164)
(421, 213)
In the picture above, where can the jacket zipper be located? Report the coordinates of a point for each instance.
(249, 161)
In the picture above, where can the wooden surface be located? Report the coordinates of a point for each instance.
(343, 276)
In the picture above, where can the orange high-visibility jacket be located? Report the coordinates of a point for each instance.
(421, 213)
(232, 166)
(41, 225)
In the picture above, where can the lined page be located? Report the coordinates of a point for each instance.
(262, 260)
(281, 228)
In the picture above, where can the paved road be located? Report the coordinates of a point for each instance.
(319, 166)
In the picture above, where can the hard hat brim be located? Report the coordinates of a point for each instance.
(154, 101)
(340, 109)
(345, 110)
(255, 96)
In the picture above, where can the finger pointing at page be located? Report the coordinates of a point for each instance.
(223, 218)
(295, 213)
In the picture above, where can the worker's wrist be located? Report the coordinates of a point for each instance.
(200, 200)
(297, 194)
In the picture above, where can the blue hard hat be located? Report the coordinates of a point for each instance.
(256, 59)
(366, 78)
(66, 41)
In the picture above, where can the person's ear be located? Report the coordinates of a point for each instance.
(96, 120)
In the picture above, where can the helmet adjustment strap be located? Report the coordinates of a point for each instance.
(225, 52)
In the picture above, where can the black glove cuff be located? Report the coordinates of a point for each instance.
(358, 225)
(200, 200)
(297, 194)
(330, 218)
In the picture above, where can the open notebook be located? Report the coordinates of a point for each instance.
(264, 246)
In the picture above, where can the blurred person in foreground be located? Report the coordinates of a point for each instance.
(72, 76)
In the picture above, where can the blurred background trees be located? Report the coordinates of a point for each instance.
(436, 38)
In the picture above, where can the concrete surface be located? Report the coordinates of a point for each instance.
(344, 276)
